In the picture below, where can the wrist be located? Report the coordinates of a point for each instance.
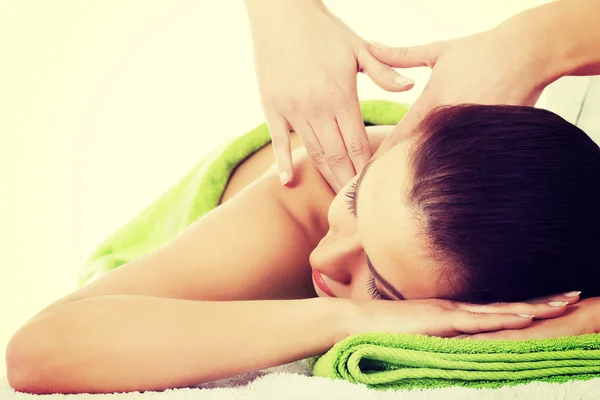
(544, 56)
(345, 316)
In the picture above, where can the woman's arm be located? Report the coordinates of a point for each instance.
(565, 35)
(138, 327)
(152, 323)
(509, 64)
(117, 343)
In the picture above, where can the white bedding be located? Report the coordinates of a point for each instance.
(292, 381)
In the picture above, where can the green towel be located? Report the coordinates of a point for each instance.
(379, 360)
(196, 194)
(398, 361)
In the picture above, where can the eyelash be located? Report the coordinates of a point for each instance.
(351, 194)
(374, 292)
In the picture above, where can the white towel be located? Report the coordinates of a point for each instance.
(292, 381)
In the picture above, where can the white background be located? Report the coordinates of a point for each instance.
(105, 104)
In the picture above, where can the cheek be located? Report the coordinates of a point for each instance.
(359, 288)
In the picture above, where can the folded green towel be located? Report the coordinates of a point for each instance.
(197, 193)
(397, 361)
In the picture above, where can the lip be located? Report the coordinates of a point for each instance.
(318, 278)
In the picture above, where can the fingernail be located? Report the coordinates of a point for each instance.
(558, 303)
(402, 81)
(572, 294)
(378, 46)
(284, 177)
(526, 315)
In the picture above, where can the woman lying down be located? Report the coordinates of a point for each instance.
(484, 223)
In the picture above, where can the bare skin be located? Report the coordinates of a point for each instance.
(175, 318)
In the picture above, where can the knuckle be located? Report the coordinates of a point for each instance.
(290, 103)
(341, 102)
(277, 102)
(476, 315)
(401, 52)
(315, 101)
(384, 69)
(314, 107)
(449, 304)
(317, 156)
(477, 327)
(359, 149)
(336, 159)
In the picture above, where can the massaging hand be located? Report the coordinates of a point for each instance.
(306, 62)
(447, 318)
(500, 66)
(578, 319)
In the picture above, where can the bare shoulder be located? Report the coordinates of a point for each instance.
(264, 160)
(308, 196)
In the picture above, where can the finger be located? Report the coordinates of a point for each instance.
(316, 153)
(354, 134)
(498, 335)
(383, 75)
(404, 129)
(463, 336)
(551, 309)
(531, 332)
(280, 136)
(470, 322)
(336, 154)
(570, 297)
(406, 57)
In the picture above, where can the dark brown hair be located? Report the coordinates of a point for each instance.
(510, 201)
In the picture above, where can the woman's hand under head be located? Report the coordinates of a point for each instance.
(445, 318)
(307, 61)
(579, 319)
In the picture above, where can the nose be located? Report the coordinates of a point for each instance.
(340, 258)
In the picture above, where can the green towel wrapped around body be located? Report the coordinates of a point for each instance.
(399, 361)
(196, 194)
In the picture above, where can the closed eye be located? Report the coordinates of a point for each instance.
(351, 198)
(374, 293)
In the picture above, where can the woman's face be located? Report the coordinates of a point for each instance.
(375, 246)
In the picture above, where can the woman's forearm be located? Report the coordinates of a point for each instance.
(128, 343)
(583, 31)
(563, 36)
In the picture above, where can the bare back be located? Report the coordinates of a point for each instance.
(255, 245)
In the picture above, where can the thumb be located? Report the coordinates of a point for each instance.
(404, 128)
(383, 75)
(390, 141)
(405, 57)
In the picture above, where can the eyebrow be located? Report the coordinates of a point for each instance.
(376, 274)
